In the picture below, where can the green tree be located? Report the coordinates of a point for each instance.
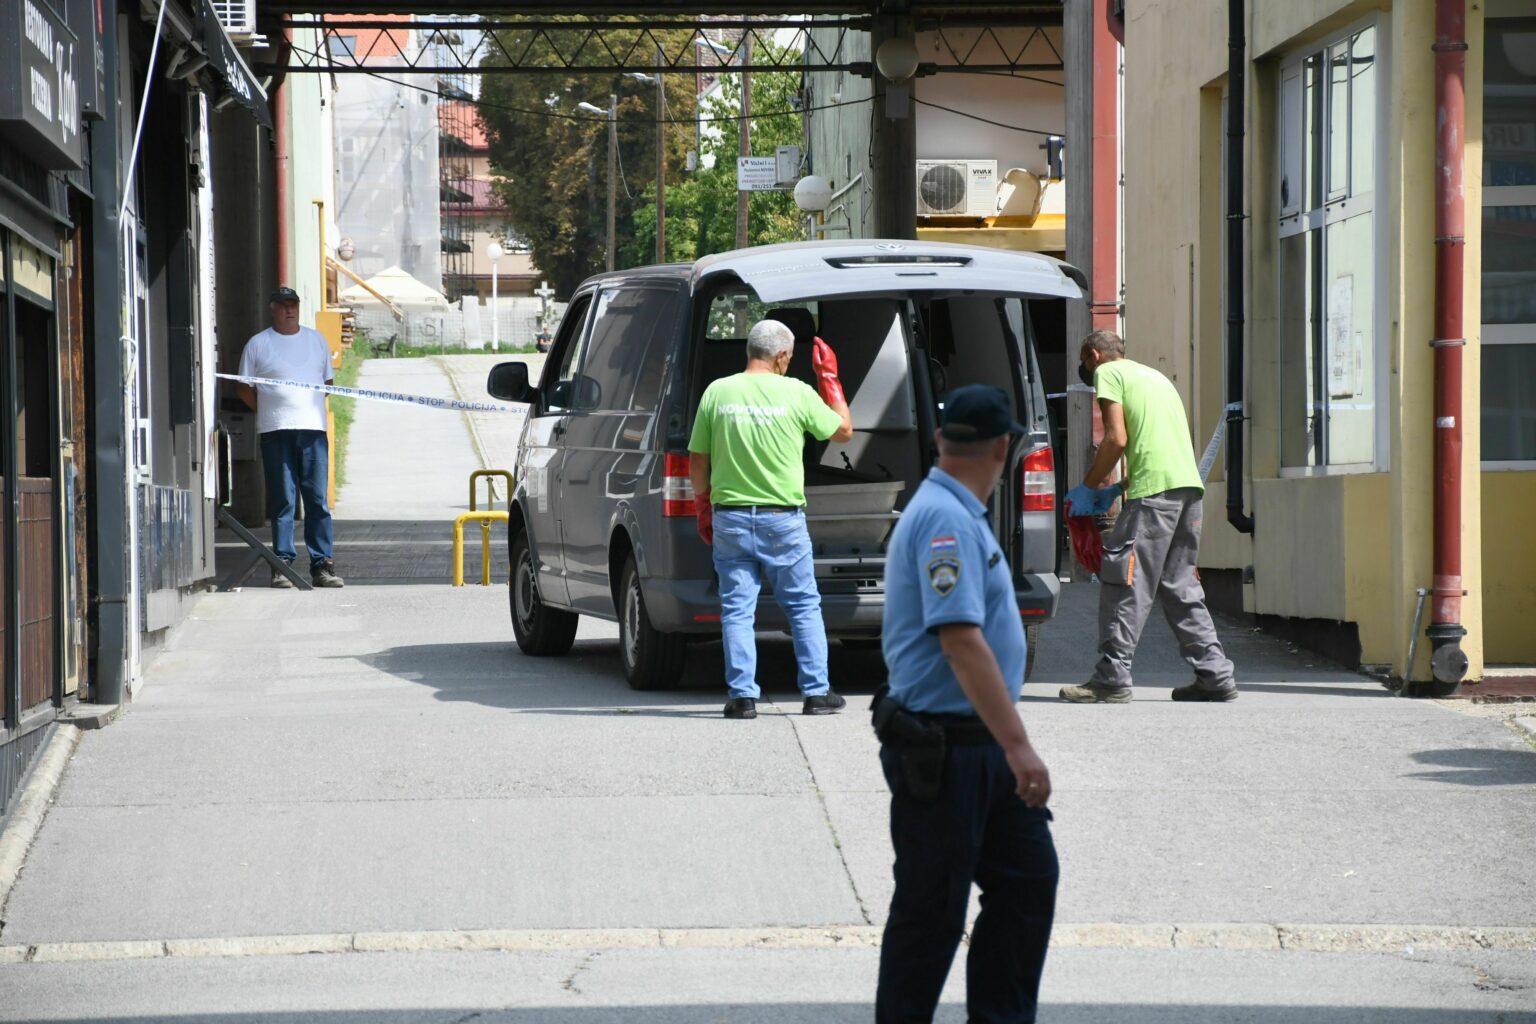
(701, 207)
(551, 159)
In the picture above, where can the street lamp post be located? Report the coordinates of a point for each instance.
(661, 155)
(494, 253)
(613, 149)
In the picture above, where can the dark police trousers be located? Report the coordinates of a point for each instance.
(977, 830)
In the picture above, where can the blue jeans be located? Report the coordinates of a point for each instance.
(977, 830)
(748, 546)
(298, 461)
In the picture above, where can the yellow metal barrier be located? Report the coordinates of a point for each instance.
(485, 519)
(490, 489)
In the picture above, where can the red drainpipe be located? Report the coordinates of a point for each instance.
(1447, 660)
(1103, 293)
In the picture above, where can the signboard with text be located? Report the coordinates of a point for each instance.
(757, 174)
(39, 94)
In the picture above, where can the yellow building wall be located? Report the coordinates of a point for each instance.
(1509, 574)
(1351, 546)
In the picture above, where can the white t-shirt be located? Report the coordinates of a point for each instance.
(304, 357)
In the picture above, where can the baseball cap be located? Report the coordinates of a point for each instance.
(978, 412)
(284, 294)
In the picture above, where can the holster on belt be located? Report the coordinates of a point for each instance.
(920, 746)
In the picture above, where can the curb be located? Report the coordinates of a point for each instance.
(32, 807)
(92, 716)
(1288, 938)
(1525, 725)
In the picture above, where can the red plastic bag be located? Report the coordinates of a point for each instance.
(1087, 542)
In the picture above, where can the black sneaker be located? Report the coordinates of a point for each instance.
(280, 581)
(827, 703)
(741, 707)
(324, 575)
(1196, 692)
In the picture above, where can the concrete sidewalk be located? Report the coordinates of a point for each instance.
(382, 759)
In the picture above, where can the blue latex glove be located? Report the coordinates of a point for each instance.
(1105, 497)
(1093, 501)
(1082, 500)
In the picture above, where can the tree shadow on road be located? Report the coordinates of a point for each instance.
(1478, 766)
(590, 680)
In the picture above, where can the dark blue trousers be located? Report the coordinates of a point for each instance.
(977, 831)
(297, 462)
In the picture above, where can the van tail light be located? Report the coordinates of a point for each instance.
(1038, 476)
(677, 486)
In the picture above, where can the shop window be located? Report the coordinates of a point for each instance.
(1330, 386)
(1509, 238)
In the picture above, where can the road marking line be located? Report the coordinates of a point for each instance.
(1305, 938)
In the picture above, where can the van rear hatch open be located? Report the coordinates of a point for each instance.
(958, 311)
(838, 269)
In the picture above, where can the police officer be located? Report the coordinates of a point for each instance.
(968, 791)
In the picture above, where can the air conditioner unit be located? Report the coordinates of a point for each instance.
(957, 188)
(237, 16)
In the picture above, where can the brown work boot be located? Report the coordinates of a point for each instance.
(1093, 693)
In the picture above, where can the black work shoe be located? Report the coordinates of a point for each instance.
(281, 582)
(827, 703)
(1196, 692)
(741, 707)
(324, 575)
(1091, 693)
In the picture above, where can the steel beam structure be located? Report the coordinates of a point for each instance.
(616, 47)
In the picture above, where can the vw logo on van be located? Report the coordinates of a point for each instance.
(889, 246)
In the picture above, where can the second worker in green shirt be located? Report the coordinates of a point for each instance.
(748, 473)
(1150, 554)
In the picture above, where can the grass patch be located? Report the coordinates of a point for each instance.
(344, 409)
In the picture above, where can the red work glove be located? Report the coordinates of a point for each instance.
(706, 513)
(1087, 542)
(824, 361)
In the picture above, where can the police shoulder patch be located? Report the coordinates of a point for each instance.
(943, 574)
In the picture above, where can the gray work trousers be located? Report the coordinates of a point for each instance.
(1150, 555)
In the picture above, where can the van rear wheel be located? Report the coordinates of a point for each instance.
(541, 631)
(653, 660)
(1032, 642)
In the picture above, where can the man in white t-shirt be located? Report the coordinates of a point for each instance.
(295, 450)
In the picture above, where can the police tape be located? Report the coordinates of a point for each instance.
(374, 395)
(1208, 460)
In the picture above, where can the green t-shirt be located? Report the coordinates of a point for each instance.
(753, 426)
(1159, 456)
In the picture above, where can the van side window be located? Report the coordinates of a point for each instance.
(559, 391)
(627, 353)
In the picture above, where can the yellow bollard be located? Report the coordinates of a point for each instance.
(490, 489)
(485, 519)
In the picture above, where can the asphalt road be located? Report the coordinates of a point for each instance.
(467, 833)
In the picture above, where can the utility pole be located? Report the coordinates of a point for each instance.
(661, 162)
(744, 54)
(613, 168)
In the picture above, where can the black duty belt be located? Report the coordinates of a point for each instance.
(896, 725)
(757, 508)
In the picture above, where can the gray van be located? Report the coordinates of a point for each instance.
(602, 515)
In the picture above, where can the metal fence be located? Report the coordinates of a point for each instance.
(465, 325)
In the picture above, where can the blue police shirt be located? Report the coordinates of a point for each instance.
(943, 567)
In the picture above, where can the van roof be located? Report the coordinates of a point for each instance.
(802, 270)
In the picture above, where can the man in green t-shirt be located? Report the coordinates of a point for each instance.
(1152, 550)
(749, 486)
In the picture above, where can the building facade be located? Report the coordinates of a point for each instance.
(1338, 297)
(109, 120)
